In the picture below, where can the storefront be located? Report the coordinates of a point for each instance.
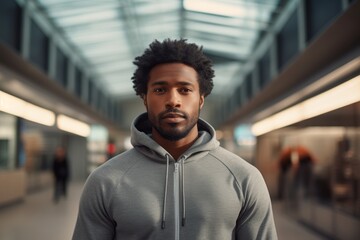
(26, 156)
(313, 168)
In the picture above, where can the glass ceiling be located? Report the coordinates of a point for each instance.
(111, 33)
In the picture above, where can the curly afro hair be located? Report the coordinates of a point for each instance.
(173, 51)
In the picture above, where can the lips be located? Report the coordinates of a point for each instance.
(173, 117)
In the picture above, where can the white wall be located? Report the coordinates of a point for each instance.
(78, 158)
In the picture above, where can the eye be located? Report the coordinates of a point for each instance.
(185, 90)
(159, 90)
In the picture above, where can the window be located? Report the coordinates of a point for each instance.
(78, 82)
(39, 47)
(61, 68)
(319, 14)
(10, 23)
(264, 69)
(288, 41)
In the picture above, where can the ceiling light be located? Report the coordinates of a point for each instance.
(342, 95)
(72, 125)
(18, 107)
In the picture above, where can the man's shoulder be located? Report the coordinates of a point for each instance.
(103, 179)
(228, 156)
(117, 165)
(236, 164)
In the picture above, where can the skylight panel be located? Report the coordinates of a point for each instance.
(241, 51)
(228, 31)
(89, 17)
(106, 50)
(226, 21)
(112, 42)
(90, 26)
(115, 66)
(103, 60)
(219, 8)
(160, 27)
(90, 32)
(71, 9)
(157, 7)
(88, 38)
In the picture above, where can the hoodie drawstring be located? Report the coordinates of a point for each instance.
(165, 192)
(183, 192)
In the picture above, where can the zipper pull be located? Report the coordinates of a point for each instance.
(176, 167)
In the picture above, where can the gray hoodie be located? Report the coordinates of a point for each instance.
(209, 193)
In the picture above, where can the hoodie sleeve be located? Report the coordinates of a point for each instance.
(256, 217)
(94, 221)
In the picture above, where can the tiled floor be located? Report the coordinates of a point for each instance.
(290, 229)
(39, 218)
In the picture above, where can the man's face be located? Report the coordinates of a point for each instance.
(173, 100)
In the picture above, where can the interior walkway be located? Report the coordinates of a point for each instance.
(39, 218)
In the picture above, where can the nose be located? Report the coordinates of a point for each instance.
(173, 100)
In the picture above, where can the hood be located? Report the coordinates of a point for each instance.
(142, 141)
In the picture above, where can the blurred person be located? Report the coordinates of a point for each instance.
(303, 170)
(296, 173)
(61, 173)
(177, 182)
(284, 167)
(111, 149)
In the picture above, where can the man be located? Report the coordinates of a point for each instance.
(177, 182)
(61, 173)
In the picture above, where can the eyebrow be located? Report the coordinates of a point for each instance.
(162, 83)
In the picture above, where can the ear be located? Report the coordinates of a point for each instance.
(144, 100)
(202, 100)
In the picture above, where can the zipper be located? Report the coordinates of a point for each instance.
(176, 201)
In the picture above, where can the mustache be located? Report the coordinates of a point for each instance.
(171, 111)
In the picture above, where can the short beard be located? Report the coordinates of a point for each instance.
(174, 135)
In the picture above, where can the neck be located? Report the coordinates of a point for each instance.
(176, 148)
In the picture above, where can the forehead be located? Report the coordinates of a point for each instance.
(173, 72)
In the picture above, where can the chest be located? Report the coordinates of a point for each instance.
(206, 198)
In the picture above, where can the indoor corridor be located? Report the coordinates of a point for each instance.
(39, 218)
